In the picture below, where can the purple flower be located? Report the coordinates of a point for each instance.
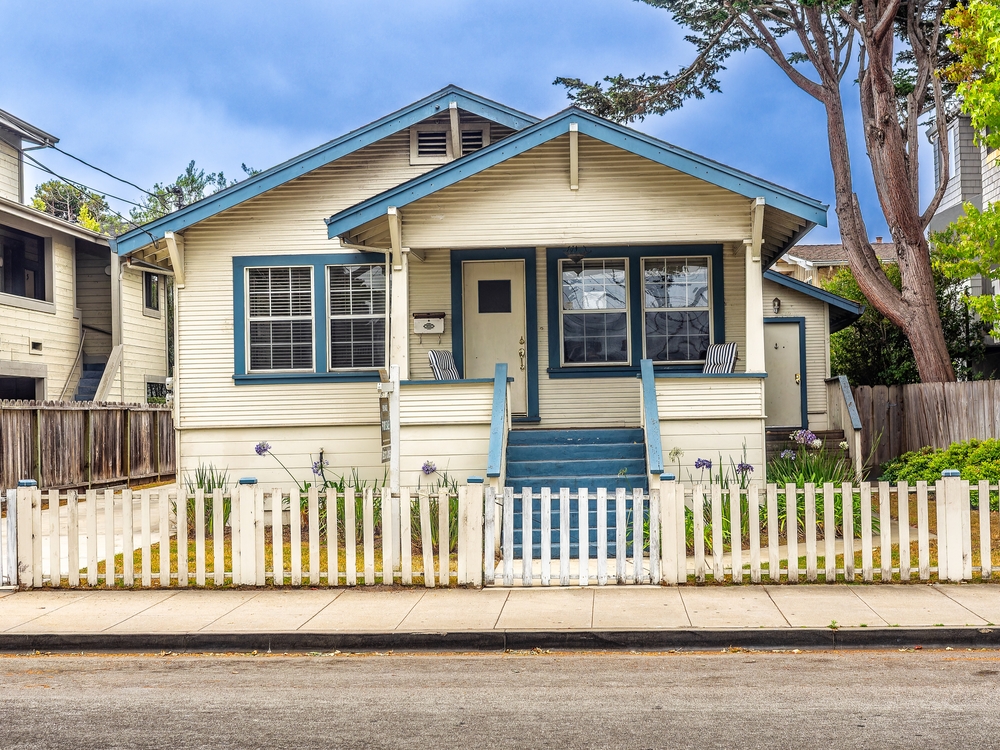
(318, 466)
(805, 437)
(743, 468)
(788, 453)
(262, 447)
(429, 467)
(703, 463)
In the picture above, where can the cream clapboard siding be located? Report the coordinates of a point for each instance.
(735, 287)
(10, 172)
(144, 341)
(796, 305)
(708, 418)
(93, 299)
(467, 403)
(430, 291)
(59, 331)
(623, 198)
(458, 450)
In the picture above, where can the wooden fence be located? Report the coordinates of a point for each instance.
(83, 444)
(909, 417)
(675, 534)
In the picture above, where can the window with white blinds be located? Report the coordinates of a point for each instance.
(357, 316)
(280, 319)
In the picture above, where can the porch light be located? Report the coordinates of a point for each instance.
(576, 254)
(776, 305)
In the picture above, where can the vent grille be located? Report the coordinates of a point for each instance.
(472, 140)
(432, 143)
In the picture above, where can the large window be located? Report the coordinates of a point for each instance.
(357, 316)
(22, 264)
(594, 311)
(280, 319)
(677, 316)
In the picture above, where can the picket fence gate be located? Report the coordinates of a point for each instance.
(474, 535)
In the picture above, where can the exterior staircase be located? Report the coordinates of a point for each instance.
(90, 378)
(576, 459)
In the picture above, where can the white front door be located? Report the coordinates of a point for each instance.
(785, 378)
(493, 314)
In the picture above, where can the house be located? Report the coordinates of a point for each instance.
(75, 322)
(585, 262)
(816, 264)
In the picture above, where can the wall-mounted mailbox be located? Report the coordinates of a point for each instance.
(428, 322)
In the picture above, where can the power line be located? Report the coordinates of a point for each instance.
(104, 171)
(79, 185)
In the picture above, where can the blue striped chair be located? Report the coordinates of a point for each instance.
(443, 365)
(720, 358)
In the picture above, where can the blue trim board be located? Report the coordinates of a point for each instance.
(651, 419)
(812, 211)
(318, 263)
(634, 254)
(531, 319)
(498, 421)
(843, 311)
(758, 375)
(357, 139)
(803, 385)
(446, 382)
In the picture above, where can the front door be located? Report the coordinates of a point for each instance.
(493, 311)
(786, 376)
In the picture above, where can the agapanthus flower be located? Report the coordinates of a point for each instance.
(843, 445)
(319, 465)
(262, 447)
(805, 437)
(788, 453)
(743, 468)
(703, 463)
(817, 444)
(429, 467)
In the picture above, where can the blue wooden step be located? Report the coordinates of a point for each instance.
(575, 436)
(574, 452)
(598, 467)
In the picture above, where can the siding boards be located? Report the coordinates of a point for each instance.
(430, 291)
(446, 404)
(93, 299)
(144, 338)
(10, 172)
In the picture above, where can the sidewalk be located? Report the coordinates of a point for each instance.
(641, 617)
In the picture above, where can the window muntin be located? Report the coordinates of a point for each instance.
(677, 314)
(151, 291)
(22, 264)
(280, 318)
(594, 311)
(357, 311)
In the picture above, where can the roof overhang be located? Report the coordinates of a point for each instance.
(843, 311)
(788, 215)
(435, 104)
(27, 131)
(45, 221)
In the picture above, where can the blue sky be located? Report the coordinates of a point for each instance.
(141, 88)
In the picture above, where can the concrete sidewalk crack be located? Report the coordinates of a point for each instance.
(410, 610)
(136, 614)
(944, 593)
(85, 596)
(685, 605)
(321, 610)
(503, 606)
(869, 606)
(771, 598)
(210, 624)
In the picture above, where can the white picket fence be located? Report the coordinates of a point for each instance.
(675, 534)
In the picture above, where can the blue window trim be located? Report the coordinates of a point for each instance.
(530, 302)
(804, 387)
(321, 373)
(634, 254)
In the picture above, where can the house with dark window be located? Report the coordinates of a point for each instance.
(75, 322)
(563, 301)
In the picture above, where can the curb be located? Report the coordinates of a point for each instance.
(763, 639)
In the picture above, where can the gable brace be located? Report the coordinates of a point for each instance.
(574, 156)
(757, 238)
(175, 250)
(456, 131)
(418, 254)
(395, 237)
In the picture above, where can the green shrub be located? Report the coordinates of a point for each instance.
(975, 459)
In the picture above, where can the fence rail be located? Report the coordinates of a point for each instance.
(84, 444)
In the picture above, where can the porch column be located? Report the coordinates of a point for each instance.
(399, 314)
(755, 291)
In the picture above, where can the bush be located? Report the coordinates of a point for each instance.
(975, 459)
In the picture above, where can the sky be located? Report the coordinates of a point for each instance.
(141, 88)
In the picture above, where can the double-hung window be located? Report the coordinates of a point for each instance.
(677, 319)
(357, 309)
(280, 318)
(594, 311)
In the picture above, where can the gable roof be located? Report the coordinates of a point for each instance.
(260, 183)
(810, 211)
(27, 131)
(836, 255)
(843, 311)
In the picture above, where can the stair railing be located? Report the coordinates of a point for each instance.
(110, 369)
(651, 422)
(496, 464)
(844, 416)
(76, 363)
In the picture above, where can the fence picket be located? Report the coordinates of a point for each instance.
(564, 529)
(698, 509)
(182, 542)
(792, 530)
(829, 534)
(36, 533)
(258, 532)
(444, 537)
(368, 532)
(109, 540)
(128, 539)
(847, 503)
(277, 540)
(668, 518)
(145, 520)
(885, 531)
(923, 533)
(638, 542)
(92, 538)
(73, 539)
(867, 567)
(903, 513)
(313, 537)
(545, 548)
(602, 536)
(966, 528)
(219, 536)
(526, 541)
(985, 550)
(385, 518)
(753, 502)
(405, 537)
(735, 535)
(163, 536)
(199, 536)
(942, 530)
(350, 538)
(718, 573)
(620, 541)
(583, 506)
(55, 578)
(506, 537)
(332, 540)
(425, 539)
(773, 564)
(655, 539)
(295, 534)
(680, 509)
(490, 538)
(810, 531)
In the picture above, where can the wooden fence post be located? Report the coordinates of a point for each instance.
(475, 514)
(247, 562)
(668, 537)
(27, 496)
(953, 545)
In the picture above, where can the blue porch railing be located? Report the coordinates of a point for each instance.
(651, 420)
(499, 425)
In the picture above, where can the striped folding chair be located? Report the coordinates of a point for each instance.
(443, 365)
(720, 358)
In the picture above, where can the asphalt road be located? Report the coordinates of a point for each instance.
(567, 700)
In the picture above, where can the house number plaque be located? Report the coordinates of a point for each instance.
(383, 410)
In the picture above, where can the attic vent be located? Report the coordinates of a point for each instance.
(433, 143)
(472, 140)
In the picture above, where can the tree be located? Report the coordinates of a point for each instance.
(812, 42)
(70, 203)
(874, 351)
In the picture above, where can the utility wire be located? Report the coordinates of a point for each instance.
(104, 171)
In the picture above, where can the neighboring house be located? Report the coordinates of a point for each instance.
(816, 264)
(67, 305)
(569, 248)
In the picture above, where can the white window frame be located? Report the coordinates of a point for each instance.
(330, 318)
(955, 144)
(248, 320)
(562, 313)
(644, 310)
(443, 127)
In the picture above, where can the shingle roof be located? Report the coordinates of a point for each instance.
(821, 254)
